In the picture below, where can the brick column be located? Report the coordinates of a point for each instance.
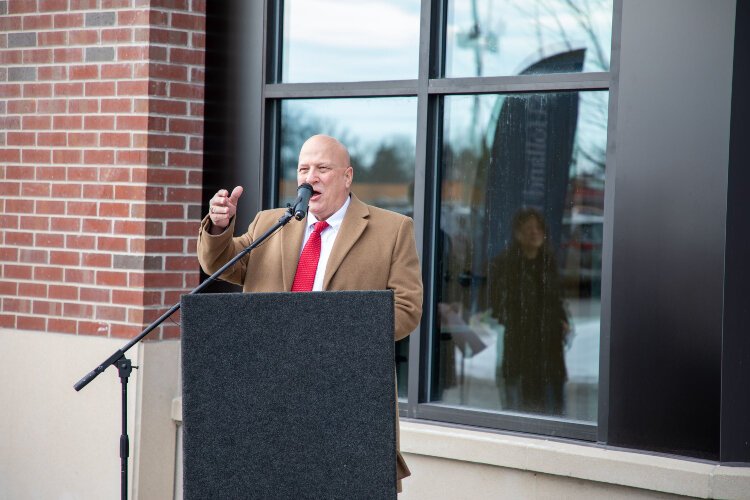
(101, 126)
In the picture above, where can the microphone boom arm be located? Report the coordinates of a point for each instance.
(288, 215)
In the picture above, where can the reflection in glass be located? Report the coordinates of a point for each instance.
(519, 253)
(341, 40)
(526, 298)
(380, 134)
(509, 37)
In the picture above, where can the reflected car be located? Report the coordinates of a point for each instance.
(581, 253)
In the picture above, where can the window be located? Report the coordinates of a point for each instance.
(509, 37)
(339, 41)
(519, 259)
(485, 120)
(380, 134)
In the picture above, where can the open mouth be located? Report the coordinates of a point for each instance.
(315, 195)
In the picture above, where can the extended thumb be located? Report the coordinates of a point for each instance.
(236, 193)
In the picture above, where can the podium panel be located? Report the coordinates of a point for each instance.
(288, 395)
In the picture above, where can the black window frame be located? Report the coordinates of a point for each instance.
(429, 88)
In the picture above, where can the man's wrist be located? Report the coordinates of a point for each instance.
(215, 230)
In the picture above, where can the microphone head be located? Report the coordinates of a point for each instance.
(304, 193)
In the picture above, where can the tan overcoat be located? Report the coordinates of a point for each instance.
(374, 250)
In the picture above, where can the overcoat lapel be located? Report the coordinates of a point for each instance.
(351, 229)
(291, 245)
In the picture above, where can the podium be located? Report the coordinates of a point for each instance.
(289, 395)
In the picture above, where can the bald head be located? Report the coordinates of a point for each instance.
(324, 163)
(331, 145)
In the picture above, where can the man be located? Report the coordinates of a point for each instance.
(360, 247)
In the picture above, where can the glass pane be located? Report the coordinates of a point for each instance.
(380, 134)
(515, 37)
(520, 253)
(341, 40)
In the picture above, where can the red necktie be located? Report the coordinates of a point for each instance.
(308, 260)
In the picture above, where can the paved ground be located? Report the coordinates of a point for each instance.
(479, 389)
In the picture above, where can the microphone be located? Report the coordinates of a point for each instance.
(299, 208)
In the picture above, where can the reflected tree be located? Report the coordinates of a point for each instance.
(589, 156)
(383, 164)
(393, 162)
(298, 126)
(580, 12)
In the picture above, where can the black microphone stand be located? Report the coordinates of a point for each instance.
(124, 365)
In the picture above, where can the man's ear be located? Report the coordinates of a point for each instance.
(349, 176)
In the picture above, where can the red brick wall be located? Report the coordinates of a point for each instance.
(101, 123)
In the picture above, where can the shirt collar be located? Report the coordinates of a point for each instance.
(334, 220)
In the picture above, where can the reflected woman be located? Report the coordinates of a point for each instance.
(527, 298)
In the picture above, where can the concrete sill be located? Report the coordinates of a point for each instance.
(592, 463)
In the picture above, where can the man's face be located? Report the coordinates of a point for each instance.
(324, 164)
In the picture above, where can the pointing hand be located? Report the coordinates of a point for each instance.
(223, 207)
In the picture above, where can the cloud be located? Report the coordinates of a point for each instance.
(353, 25)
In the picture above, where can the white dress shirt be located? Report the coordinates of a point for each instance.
(327, 237)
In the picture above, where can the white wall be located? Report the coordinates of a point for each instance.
(156, 435)
(58, 443)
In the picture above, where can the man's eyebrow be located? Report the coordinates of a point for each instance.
(319, 165)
